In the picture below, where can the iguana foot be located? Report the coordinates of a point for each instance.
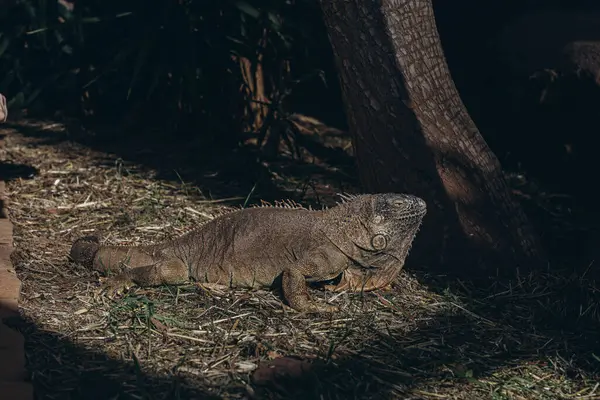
(116, 286)
(296, 293)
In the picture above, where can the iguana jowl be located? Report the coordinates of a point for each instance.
(254, 247)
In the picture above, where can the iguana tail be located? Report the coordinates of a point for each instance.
(84, 250)
(88, 252)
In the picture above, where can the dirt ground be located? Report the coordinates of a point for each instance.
(428, 338)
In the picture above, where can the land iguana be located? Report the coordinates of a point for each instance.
(255, 247)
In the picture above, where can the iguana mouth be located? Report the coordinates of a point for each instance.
(379, 255)
(417, 214)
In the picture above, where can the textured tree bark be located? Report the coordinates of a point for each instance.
(412, 133)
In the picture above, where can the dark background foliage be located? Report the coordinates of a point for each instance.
(226, 74)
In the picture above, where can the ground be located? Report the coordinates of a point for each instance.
(430, 337)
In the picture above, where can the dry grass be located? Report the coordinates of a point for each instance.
(185, 342)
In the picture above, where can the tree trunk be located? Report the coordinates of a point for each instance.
(412, 133)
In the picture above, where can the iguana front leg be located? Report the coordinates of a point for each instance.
(296, 293)
(320, 264)
(165, 272)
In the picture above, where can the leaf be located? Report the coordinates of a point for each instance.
(275, 21)
(158, 72)
(141, 61)
(33, 96)
(118, 59)
(8, 79)
(17, 101)
(4, 45)
(248, 9)
(159, 325)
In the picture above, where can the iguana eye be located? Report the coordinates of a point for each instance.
(379, 242)
(400, 203)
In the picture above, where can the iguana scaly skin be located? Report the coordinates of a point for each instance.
(254, 247)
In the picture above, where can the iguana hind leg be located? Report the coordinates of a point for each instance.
(165, 272)
(296, 293)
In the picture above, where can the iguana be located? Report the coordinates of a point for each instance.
(267, 246)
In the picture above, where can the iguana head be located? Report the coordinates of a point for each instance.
(382, 222)
(395, 219)
(383, 226)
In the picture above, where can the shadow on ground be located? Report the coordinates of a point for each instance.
(53, 353)
(507, 345)
(471, 352)
(10, 171)
(470, 342)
